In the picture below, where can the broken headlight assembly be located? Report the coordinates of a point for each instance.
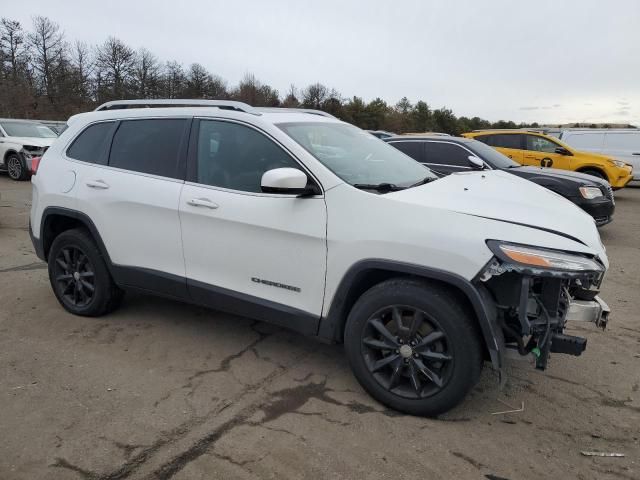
(536, 290)
(523, 257)
(30, 151)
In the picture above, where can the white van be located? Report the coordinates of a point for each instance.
(622, 144)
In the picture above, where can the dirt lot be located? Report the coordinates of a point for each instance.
(165, 390)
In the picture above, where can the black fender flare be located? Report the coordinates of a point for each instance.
(76, 215)
(331, 326)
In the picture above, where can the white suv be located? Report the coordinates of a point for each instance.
(20, 142)
(297, 218)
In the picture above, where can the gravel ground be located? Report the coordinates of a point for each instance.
(165, 390)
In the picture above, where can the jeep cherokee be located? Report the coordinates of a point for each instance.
(297, 218)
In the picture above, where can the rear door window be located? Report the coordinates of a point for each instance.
(504, 140)
(414, 149)
(153, 146)
(441, 153)
(92, 145)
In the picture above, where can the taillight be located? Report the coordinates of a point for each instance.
(35, 163)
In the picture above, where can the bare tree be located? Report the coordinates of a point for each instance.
(217, 87)
(81, 70)
(47, 55)
(197, 81)
(12, 48)
(146, 75)
(314, 95)
(115, 65)
(251, 91)
(291, 99)
(173, 81)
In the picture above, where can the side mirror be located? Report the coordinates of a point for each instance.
(476, 162)
(287, 181)
(563, 151)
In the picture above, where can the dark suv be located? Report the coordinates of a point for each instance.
(445, 155)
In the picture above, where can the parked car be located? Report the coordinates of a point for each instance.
(57, 127)
(381, 133)
(20, 142)
(313, 224)
(538, 149)
(445, 155)
(620, 144)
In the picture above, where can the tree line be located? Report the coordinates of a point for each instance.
(44, 75)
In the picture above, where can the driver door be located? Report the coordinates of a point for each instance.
(248, 252)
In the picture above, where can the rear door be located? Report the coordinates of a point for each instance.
(447, 157)
(130, 188)
(248, 252)
(541, 152)
(509, 144)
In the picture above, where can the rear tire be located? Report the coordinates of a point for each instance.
(16, 168)
(79, 276)
(413, 346)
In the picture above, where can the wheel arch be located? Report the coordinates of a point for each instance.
(56, 220)
(367, 273)
(9, 152)
(596, 168)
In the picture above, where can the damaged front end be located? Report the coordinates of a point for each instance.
(536, 291)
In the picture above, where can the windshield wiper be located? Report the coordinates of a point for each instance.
(379, 187)
(424, 181)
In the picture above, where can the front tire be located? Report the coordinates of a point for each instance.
(79, 276)
(16, 168)
(596, 173)
(413, 346)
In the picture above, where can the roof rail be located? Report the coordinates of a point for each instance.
(294, 110)
(175, 103)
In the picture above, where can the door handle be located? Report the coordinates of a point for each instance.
(101, 184)
(202, 202)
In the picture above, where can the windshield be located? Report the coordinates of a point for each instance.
(494, 158)
(356, 156)
(26, 129)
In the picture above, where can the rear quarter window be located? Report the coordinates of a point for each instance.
(92, 145)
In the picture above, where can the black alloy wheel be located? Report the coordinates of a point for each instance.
(74, 276)
(414, 345)
(79, 275)
(407, 352)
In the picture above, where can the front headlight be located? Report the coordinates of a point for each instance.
(590, 192)
(543, 258)
(617, 163)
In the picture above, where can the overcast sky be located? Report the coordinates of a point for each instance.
(545, 61)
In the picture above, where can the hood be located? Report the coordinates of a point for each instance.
(504, 197)
(555, 173)
(35, 141)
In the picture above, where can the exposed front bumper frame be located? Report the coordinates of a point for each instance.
(592, 311)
